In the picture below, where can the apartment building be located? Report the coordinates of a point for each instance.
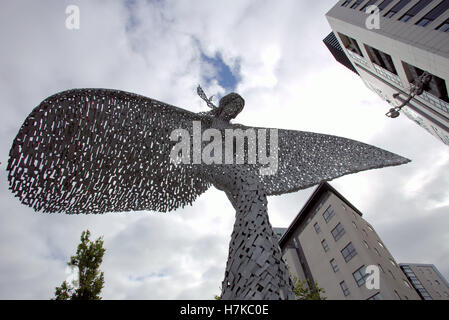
(331, 244)
(391, 47)
(428, 282)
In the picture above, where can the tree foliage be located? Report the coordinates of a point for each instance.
(87, 260)
(304, 291)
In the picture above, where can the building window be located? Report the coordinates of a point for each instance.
(353, 223)
(397, 295)
(328, 214)
(344, 288)
(350, 44)
(377, 251)
(380, 244)
(434, 13)
(360, 276)
(444, 26)
(348, 252)
(415, 10)
(366, 244)
(438, 294)
(381, 59)
(325, 246)
(364, 232)
(334, 265)
(345, 4)
(401, 4)
(423, 22)
(437, 86)
(356, 4)
(317, 227)
(370, 228)
(437, 282)
(446, 294)
(369, 3)
(377, 296)
(384, 4)
(338, 232)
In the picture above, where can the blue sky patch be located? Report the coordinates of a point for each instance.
(224, 75)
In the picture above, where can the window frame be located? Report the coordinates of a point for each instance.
(361, 271)
(340, 233)
(351, 253)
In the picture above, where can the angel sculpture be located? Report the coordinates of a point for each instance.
(101, 150)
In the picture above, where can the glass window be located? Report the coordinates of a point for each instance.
(360, 276)
(366, 244)
(406, 283)
(377, 296)
(317, 227)
(328, 214)
(353, 223)
(437, 86)
(398, 7)
(393, 263)
(380, 244)
(344, 288)
(369, 3)
(434, 13)
(377, 251)
(338, 232)
(423, 22)
(397, 295)
(345, 4)
(381, 59)
(348, 252)
(350, 44)
(405, 18)
(325, 246)
(356, 4)
(415, 10)
(444, 26)
(384, 4)
(334, 265)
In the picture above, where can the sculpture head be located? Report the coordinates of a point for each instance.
(230, 106)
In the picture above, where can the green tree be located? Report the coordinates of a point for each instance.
(87, 260)
(304, 291)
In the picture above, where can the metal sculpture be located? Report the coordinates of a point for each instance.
(100, 150)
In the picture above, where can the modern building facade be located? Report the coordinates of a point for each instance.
(411, 37)
(428, 282)
(331, 244)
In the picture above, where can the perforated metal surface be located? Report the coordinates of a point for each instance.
(100, 150)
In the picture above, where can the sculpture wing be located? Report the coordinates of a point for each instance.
(99, 150)
(306, 159)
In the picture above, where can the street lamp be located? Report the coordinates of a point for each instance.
(415, 89)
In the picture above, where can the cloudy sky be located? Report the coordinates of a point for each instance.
(271, 52)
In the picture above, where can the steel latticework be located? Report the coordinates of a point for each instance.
(100, 150)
